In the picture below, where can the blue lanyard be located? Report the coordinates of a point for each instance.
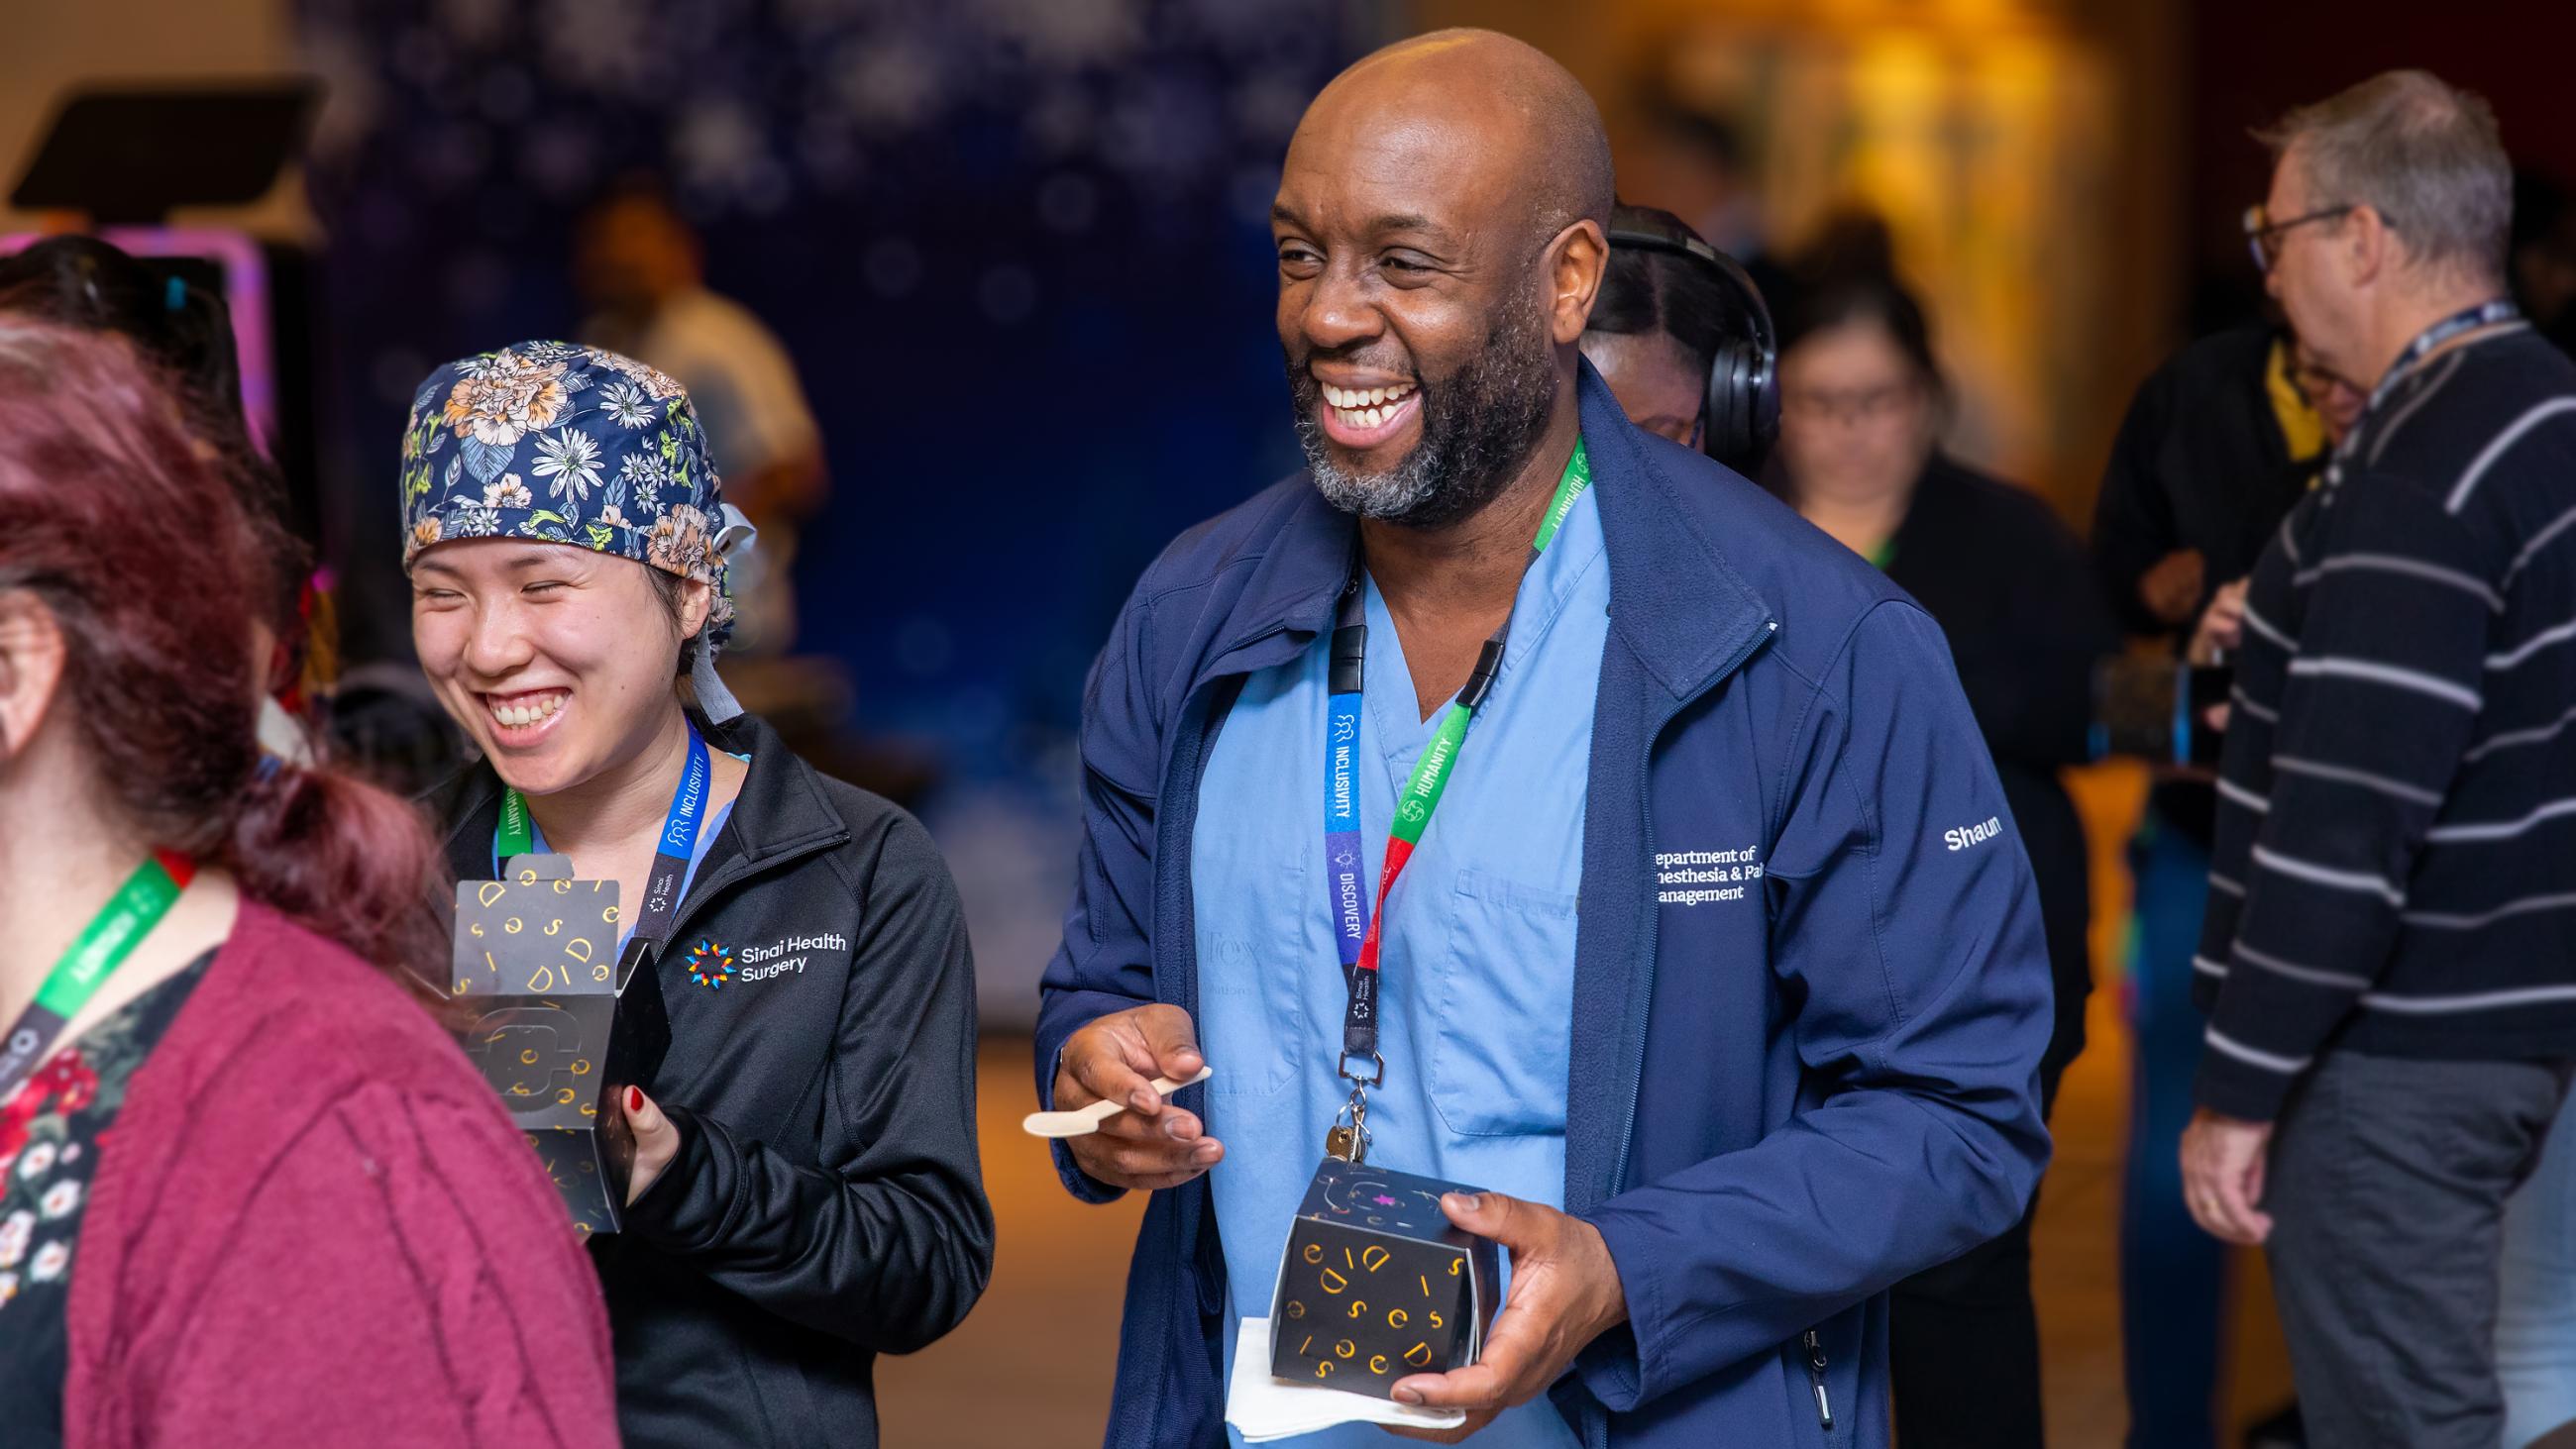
(1345, 866)
(2468, 319)
(1345, 885)
(660, 909)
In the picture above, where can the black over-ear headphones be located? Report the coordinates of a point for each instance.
(1742, 417)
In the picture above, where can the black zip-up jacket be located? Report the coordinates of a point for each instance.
(827, 1202)
(2014, 594)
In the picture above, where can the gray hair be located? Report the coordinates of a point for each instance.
(2423, 154)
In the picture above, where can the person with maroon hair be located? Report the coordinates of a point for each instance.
(247, 1187)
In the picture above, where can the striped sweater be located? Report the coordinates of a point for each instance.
(2395, 864)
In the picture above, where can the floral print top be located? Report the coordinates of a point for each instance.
(49, 1132)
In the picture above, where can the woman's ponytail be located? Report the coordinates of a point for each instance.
(342, 858)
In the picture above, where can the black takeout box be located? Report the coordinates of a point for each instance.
(1377, 1283)
(557, 1026)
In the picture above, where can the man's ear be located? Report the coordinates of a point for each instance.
(31, 667)
(2369, 248)
(1576, 261)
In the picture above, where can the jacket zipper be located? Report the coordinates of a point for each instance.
(1816, 1381)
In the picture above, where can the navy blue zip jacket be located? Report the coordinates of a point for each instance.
(1779, 1101)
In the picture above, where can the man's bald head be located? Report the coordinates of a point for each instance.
(1508, 99)
(1439, 226)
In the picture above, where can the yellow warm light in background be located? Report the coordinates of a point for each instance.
(1977, 130)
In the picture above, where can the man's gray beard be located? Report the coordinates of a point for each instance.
(1395, 493)
(1491, 414)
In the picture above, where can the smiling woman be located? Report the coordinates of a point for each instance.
(806, 1191)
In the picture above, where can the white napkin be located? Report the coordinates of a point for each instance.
(1267, 1408)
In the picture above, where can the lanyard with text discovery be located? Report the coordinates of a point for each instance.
(102, 946)
(1357, 927)
(671, 854)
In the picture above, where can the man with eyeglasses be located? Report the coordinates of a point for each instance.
(2393, 888)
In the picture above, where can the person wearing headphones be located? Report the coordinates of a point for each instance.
(1861, 404)
(806, 1192)
(1685, 342)
(1683, 337)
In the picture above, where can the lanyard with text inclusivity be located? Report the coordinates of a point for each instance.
(671, 853)
(1356, 927)
(101, 947)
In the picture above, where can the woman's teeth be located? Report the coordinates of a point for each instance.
(521, 715)
(1366, 407)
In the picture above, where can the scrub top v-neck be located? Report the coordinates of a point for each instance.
(1478, 937)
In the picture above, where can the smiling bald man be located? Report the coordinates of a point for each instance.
(1619, 843)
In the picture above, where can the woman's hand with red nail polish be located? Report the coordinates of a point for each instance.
(657, 1141)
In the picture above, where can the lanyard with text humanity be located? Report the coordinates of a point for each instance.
(101, 947)
(671, 854)
(1356, 927)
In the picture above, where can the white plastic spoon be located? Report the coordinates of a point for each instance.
(1084, 1120)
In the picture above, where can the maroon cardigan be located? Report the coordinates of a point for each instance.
(313, 1221)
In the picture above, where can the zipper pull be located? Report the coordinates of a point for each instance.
(1816, 1381)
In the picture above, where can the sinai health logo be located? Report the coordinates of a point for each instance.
(714, 965)
(710, 964)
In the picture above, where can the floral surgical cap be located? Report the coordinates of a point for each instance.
(568, 444)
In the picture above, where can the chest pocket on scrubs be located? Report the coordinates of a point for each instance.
(1498, 1067)
(1250, 993)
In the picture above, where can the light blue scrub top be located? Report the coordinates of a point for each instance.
(1476, 1002)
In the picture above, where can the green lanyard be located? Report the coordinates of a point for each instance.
(1356, 926)
(101, 947)
(516, 836)
(1422, 791)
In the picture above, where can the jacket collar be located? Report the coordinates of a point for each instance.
(781, 810)
(1674, 598)
(1680, 606)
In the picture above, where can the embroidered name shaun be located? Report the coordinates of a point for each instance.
(1960, 837)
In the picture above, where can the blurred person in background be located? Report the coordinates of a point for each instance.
(2542, 258)
(1861, 403)
(1805, 1029)
(2384, 956)
(2536, 1316)
(2536, 1310)
(1671, 308)
(1693, 163)
(806, 1193)
(642, 270)
(2215, 448)
(232, 1148)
